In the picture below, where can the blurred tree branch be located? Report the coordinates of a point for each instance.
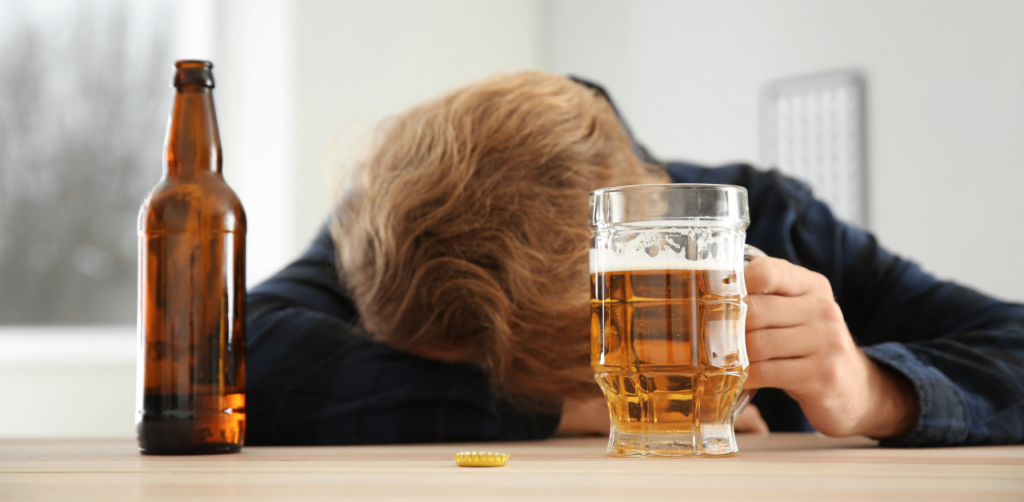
(81, 128)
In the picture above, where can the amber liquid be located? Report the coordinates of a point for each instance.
(668, 350)
(191, 388)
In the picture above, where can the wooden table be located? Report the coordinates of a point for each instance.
(775, 467)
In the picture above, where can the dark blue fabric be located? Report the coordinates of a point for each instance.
(314, 378)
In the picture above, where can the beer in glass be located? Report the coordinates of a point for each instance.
(667, 315)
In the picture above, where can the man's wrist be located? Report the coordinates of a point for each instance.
(893, 408)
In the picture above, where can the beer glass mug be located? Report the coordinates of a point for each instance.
(668, 313)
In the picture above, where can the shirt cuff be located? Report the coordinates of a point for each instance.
(942, 420)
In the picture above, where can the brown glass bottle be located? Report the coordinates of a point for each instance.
(191, 369)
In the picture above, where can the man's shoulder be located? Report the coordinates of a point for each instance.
(761, 184)
(311, 281)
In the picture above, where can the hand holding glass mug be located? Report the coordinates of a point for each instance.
(671, 328)
(797, 341)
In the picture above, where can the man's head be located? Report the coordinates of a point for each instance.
(464, 235)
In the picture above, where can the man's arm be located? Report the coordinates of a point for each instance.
(313, 378)
(960, 352)
(797, 340)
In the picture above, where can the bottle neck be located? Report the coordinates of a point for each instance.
(193, 141)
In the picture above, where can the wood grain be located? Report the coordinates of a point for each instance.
(773, 467)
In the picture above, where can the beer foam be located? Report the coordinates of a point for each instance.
(608, 261)
(636, 255)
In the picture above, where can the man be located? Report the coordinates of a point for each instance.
(447, 298)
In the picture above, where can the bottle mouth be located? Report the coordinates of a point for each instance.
(193, 73)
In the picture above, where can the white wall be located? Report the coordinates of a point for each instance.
(254, 71)
(358, 62)
(945, 103)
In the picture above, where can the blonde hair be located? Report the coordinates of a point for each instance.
(465, 229)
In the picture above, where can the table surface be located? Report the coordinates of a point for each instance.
(770, 467)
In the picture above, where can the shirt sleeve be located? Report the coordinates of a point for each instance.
(962, 351)
(313, 378)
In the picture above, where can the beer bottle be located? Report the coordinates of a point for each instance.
(191, 356)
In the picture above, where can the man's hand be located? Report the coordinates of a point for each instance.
(797, 341)
(584, 416)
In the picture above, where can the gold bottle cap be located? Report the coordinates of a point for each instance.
(480, 459)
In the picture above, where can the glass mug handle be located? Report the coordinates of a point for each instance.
(749, 253)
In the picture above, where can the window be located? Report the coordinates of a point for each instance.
(813, 128)
(81, 130)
